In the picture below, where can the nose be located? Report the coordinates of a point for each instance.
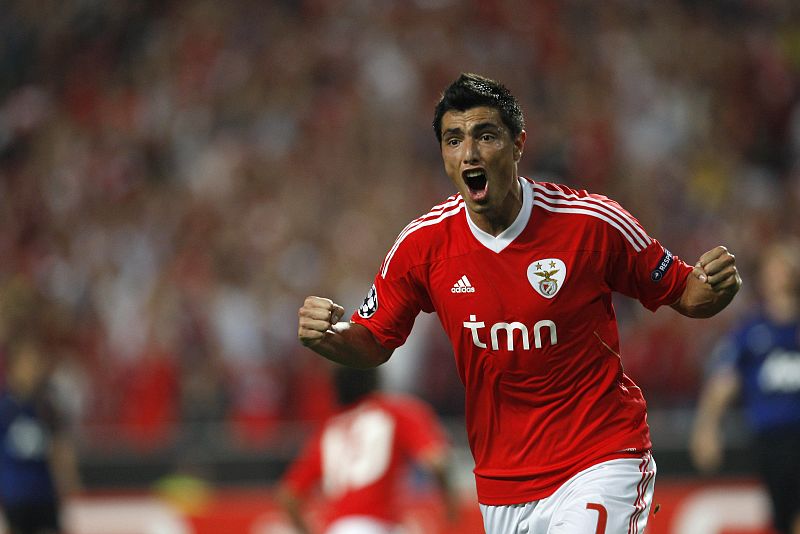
(471, 154)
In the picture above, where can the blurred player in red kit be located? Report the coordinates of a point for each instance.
(521, 274)
(360, 456)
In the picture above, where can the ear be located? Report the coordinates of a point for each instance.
(519, 145)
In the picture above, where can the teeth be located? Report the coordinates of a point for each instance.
(473, 174)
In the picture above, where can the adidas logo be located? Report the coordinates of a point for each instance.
(462, 286)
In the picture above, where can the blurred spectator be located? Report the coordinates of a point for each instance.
(149, 395)
(760, 362)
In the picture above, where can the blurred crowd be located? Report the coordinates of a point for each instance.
(176, 176)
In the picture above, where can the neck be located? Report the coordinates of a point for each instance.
(496, 221)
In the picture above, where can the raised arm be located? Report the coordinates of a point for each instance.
(711, 285)
(351, 344)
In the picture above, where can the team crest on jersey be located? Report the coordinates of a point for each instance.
(547, 276)
(370, 304)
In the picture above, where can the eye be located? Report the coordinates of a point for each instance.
(487, 137)
(453, 141)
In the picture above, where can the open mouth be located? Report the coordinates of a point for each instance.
(476, 183)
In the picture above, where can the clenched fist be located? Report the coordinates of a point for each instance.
(316, 317)
(717, 267)
(711, 286)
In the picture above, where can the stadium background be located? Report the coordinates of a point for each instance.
(176, 176)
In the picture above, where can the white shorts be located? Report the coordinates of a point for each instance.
(361, 525)
(611, 497)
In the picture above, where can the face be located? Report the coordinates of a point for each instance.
(28, 370)
(778, 276)
(480, 157)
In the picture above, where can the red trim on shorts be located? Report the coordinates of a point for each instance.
(640, 504)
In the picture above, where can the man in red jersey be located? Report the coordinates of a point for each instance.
(359, 456)
(521, 275)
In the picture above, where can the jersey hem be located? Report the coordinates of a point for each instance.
(511, 491)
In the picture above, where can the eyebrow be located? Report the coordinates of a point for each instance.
(477, 128)
(451, 131)
(486, 125)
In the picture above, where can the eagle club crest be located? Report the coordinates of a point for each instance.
(547, 276)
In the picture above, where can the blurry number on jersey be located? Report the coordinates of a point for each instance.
(356, 451)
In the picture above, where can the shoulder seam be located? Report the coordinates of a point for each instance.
(558, 201)
(453, 206)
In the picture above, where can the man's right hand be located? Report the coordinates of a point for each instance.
(316, 317)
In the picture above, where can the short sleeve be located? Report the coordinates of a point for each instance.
(393, 302)
(725, 356)
(652, 275)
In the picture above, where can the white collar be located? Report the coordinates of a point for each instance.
(507, 236)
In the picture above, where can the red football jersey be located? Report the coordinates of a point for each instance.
(358, 457)
(529, 314)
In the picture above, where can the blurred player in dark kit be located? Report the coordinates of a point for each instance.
(759, 363)
(38, 467)
(360, 455)
(521, 274)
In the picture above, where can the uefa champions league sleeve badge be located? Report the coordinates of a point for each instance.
(547, 276)
(370, 304)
